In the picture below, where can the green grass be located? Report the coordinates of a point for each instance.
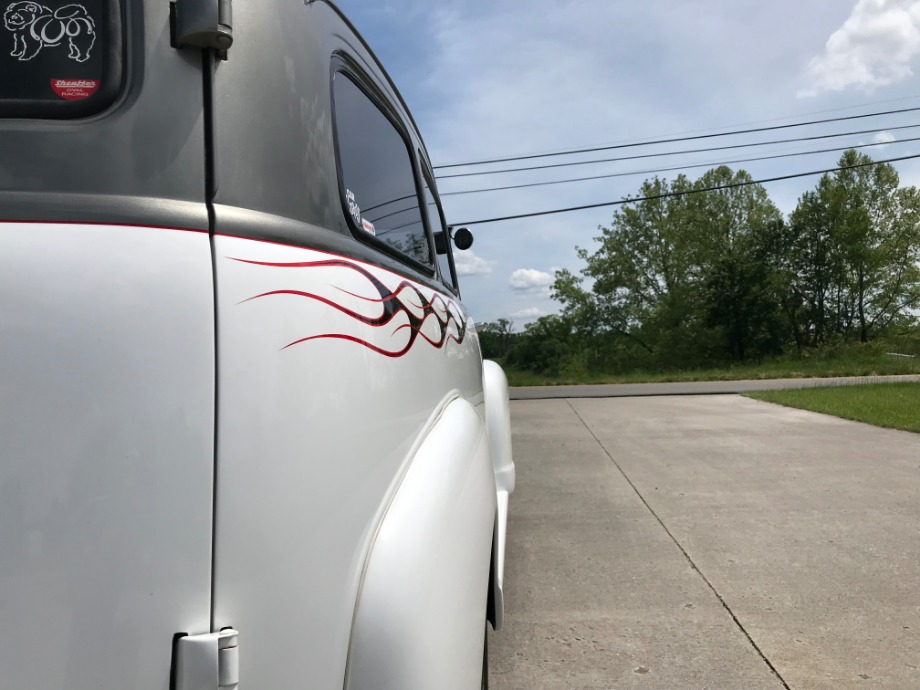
(892, 405)
(853, 362)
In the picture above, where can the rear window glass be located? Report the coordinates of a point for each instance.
(59, 59)
(378, 175)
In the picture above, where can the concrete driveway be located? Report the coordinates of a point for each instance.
(709, 542)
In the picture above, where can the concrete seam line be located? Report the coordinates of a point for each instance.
(682, 550)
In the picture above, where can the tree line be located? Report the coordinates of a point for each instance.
(684, 280)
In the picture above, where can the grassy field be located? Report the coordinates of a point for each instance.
(853, 362)
(892, 405)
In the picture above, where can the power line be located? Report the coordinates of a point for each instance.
(669, 195)
(754, 122)
(660, 154)
(783, 118)
(387, 203)
(674, 140)
(678, 167)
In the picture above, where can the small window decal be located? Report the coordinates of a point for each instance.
(35, 27)
(353, 207)
(59, 58)
(74, 89)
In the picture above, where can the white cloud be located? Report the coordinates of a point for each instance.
(874, 47)
(530, 279)
(529, 313)
(883, 138)
(468, 264)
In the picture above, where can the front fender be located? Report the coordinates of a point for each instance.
(498, 423)
(498, 426)
(419, 620)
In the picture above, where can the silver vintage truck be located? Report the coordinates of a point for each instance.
(247, 438)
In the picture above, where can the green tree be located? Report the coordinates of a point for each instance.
(495, 338)
(813, 267)
(856, 251)
(545, 346)
(682, 279)
(660, 271)
(639, 274)
(744, 302)
(867, 204)
(737, 227)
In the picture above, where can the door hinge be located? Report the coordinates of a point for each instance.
(207, 662)
(202, 24)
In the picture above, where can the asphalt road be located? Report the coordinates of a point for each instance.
(709, 542)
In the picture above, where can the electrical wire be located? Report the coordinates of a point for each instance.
(673, 140)
(680, 167)
(660, 154)
(749, 122)
(669, 195)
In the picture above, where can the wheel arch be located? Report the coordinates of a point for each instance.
(419, 613)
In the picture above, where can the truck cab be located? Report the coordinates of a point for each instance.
(239, 389)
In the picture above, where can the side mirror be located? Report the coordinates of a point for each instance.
(440, 243)
(463, 238)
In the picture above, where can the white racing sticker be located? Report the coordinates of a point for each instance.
(353, 207)
(35, 27)
(74, 89)
(368, 226)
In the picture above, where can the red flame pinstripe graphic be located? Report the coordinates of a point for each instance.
(405, 299)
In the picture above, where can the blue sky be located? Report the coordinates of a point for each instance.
(487, 79)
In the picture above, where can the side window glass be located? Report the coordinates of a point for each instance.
(59, 60)
(441, 238)
(378, 177)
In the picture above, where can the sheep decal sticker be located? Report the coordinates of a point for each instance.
(35, 27)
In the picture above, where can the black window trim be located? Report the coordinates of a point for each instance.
(341, 64)
(428, 175)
